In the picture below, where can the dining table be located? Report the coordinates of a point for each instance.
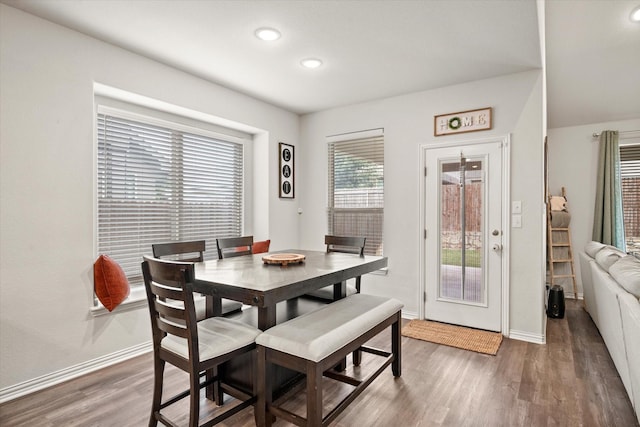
(272, 287)
(252, 281)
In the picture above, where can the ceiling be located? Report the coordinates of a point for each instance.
(377, 49)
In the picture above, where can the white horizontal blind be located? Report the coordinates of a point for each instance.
(356, 188)
(157, 184)
(630, 176)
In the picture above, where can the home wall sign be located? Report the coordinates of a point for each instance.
(464, 121)
(287, 171)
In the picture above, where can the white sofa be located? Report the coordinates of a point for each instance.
(611, 286)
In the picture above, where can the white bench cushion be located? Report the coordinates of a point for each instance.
(216, 336)
(316, 335)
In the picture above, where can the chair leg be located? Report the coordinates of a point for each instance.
(194, 397)
(396, 347)
(158, 377)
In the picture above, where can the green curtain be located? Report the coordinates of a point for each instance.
(608, 224)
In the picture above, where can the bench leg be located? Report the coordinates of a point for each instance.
(263, 388)
(314, 395)
(396, 346)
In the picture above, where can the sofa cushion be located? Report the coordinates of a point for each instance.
(607, 256)
(590, 301)
(630, 313)
(627, 273)
(607, 291)
(593, 247)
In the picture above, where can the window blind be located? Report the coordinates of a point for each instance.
(630, 176)
(356, 188)
(157, 184)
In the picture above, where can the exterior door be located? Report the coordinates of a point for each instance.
(464, 236)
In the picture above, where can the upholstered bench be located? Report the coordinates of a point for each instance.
(316, 342)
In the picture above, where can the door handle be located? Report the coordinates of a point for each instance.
(497, 247)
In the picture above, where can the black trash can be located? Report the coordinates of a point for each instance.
(555, 305)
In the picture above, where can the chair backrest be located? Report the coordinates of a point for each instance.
(234, 246)
(170, 297)
(194, 250)
(350, 245)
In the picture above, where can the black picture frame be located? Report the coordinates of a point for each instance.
(287, 171)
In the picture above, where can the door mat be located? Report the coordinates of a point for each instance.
(454, 336)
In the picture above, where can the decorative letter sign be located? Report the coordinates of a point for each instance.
(464, 121)
(287, 171)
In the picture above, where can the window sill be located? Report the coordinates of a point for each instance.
(137, 299)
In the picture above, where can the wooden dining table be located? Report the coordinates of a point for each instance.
(251, 281)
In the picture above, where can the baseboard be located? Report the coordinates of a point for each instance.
(528, 337)
(57, 377)
(410, 315)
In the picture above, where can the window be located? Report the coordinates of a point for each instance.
(159, 181)
(356, 187)
(630, 176)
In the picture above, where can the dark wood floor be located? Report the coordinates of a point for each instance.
(570, 381)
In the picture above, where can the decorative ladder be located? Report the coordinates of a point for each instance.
(559, 250)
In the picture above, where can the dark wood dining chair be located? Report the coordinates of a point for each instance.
(192, 251)
(192, 346)
(344, 244)
(234, 246)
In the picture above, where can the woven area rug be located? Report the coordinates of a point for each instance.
(454, 336)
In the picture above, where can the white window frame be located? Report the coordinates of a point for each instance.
(374, 244)
(182, 123)
(629, 168)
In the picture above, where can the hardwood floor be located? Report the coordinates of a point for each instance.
(570, 381)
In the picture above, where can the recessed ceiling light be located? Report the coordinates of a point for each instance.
(635, 15)
(267, 34)
(311, 63)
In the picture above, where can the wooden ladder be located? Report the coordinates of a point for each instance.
(559, 250)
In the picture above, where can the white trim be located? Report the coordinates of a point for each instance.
(527, 336)
(506, 234)
(506, 223)
(57, 377)
(102, 90)
(371, 133)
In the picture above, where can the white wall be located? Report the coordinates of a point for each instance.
(573, 162)
(408, 124)
(47, 246)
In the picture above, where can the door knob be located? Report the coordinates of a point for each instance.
(497, 247)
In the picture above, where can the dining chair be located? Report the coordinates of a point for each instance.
(192, 251)
(344, 244)
(190, 345)
(234, 246)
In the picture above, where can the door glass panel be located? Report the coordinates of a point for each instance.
(461, 242)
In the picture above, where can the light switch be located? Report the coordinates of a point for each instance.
(516, 221)
(516, 207)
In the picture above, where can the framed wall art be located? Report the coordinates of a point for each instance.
(464, 121)
(287, 171)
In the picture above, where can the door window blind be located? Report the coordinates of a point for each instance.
(157, 184)
(356, 187)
